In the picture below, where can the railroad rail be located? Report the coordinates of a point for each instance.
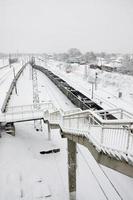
(76, 97)
(108, 134)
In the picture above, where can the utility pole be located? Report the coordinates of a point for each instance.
(92, 90)
(85, 72)
(14, 80)
(96, 76)
(10, 60)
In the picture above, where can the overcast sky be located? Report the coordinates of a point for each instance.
(57, 25)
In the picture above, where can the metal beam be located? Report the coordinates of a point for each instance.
(103, 159)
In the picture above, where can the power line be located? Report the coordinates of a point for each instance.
(61, 177)
(111, 182)
(93, 174)
(103, 173)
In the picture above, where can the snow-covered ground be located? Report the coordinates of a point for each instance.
(4, 62)
(49, 92)
(6, 77)
(108, 84)
(28, 175)
(24, 94)
(25, 173)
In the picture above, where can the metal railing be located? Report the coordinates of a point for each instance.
(47, 105)
(111, 136)
(21, 113)
(114, 137)
(117, 112)
(21, 116)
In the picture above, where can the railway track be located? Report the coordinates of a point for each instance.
(75, 96)
(4, 77)
(86, 91)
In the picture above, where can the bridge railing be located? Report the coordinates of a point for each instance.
(24, 108)
(21, 113)
(113, 136)
(119, 138)
(21, 116)
(119, 113)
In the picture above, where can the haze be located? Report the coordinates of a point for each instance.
(57, 25)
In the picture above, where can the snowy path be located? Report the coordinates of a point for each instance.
(27, 175)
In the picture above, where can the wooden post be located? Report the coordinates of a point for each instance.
(72, 169)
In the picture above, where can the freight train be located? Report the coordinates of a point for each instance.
(104, 68)
(76, 97)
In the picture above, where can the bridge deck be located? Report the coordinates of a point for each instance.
(109, 141)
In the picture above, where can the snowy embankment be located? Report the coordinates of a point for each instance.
(108, 84)
(27, 175)
(6, 77)
(4, 62)
(24, 94)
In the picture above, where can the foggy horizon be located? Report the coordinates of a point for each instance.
(54, 26)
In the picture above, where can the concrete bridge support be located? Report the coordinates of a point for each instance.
(10, 129)
(49, 132)
(72, 169)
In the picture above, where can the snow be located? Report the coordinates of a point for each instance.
(6, 78)
(24, 171)
(26, 174)
(49, 92)
(24, 94)
(3, 62)
(108, 84)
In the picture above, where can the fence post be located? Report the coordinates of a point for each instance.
(102, 136)
(89, 121)
(70, 123)
(104, 115)
(128, 138)
(121, 114)
(77, 122)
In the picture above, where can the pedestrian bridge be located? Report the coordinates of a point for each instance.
(25, 112)
(109, 141)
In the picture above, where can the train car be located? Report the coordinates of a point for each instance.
(75, 96)
(107, 68)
